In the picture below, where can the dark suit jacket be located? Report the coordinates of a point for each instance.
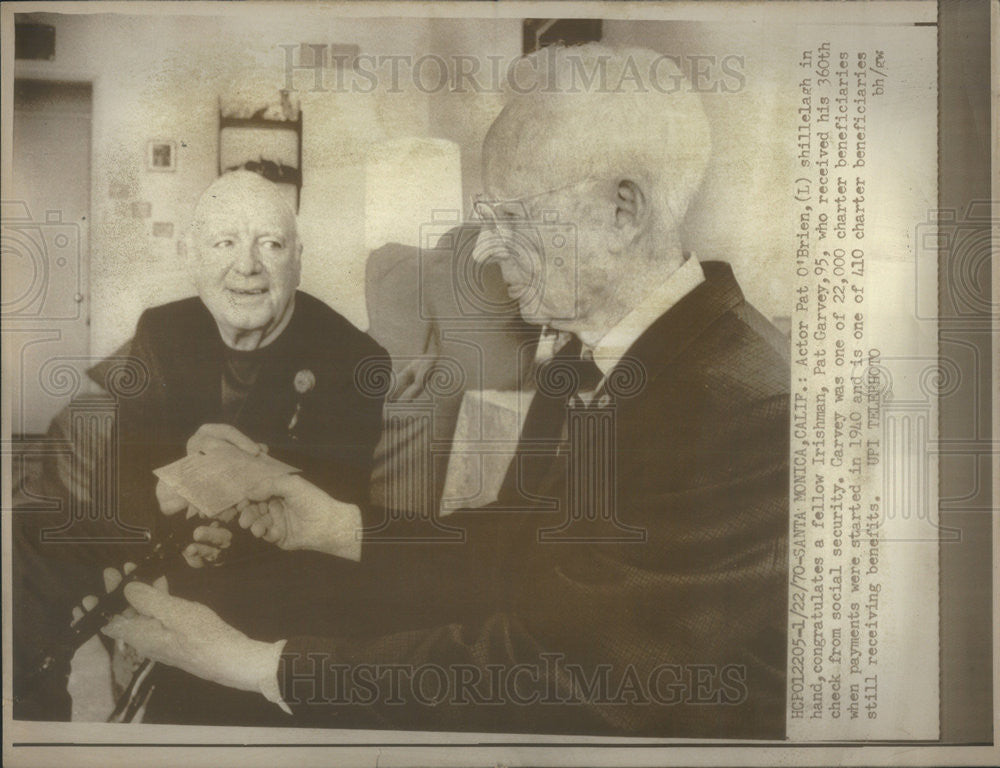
(262, 591)
(681, 634)
(183, 352)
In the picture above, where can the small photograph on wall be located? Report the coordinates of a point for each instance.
(161, 155)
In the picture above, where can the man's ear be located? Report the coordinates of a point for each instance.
(631, 207)
(298, 263)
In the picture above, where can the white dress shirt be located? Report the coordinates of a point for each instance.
(611, 348)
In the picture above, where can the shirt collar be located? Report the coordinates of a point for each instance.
(612, 347)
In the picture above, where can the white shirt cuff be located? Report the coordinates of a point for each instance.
(267, 682)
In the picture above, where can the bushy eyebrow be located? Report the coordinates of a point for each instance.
(510, 210)
(230, 230)
(278, 236)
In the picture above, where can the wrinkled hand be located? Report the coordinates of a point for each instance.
(208, 438)
(124, 659)
(112, 578)
(412, 379)
(212, 437)
(292, 513)
(190, 636)
(209, 540)
(169, 500)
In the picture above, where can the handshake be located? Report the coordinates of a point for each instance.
(287, 511)
(283, 509)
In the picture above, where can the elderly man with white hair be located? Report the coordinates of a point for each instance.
(631, 577)
(254, 360)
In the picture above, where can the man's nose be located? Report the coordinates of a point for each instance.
(247, 261)
(489, 245)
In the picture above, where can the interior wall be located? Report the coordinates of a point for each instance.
(159, 77)
(740, 214)
(464, 114)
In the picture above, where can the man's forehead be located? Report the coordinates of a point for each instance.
(228, 203)
(524, 157)
(220, 215)
(511, 175)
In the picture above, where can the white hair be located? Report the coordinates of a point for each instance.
(611, 111)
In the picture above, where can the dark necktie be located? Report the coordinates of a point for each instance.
(557, 381)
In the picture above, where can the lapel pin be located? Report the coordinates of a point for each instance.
(304, 382)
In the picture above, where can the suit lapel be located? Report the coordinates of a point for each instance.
(658, 346)
(651, 353)
(197, 366)
(541, 434)
(680, 326)
(271, 400)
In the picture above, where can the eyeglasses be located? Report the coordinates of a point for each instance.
(498, 214)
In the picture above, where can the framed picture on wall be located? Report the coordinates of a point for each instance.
(161, 155)
(537, 33)
(267, 141)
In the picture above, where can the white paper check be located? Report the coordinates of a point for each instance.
(215, 481)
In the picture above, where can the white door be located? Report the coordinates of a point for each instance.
(45, 251)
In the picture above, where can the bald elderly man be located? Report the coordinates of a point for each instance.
(254, 354)
(635, 586)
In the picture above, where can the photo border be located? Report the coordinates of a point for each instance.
(969, 588)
